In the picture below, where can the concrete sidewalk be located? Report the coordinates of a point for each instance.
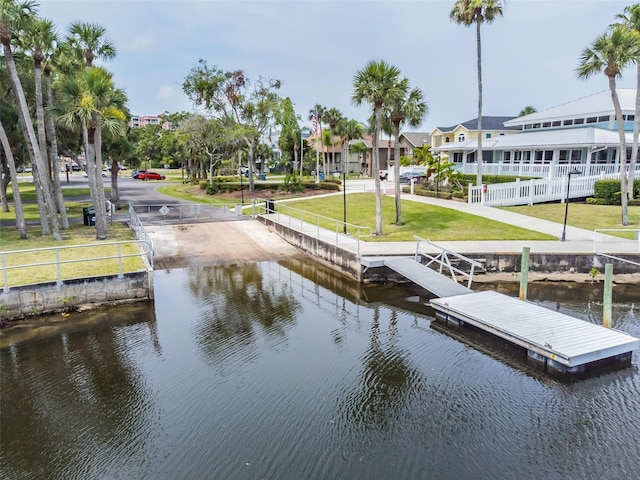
(578, 240)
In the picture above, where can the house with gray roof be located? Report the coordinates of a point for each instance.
(581, 134)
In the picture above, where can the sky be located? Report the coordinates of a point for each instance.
(315, 48)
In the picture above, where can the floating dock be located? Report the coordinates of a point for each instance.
(557, 341)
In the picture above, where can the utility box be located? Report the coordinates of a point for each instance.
(89, 216)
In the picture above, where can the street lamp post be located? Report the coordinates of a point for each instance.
(438, 178)
(344, 186)
(566, 205)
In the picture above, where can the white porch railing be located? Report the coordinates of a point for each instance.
(528, 192)
(542, 171)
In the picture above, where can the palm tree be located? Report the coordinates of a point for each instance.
(630, 20)
(90, 100)
(332, 116)
(15, 17)
(41, 39)
(477, 12)
(410, 109)
(611, 52)
(377, 84)
(528, 110)
(88, 40)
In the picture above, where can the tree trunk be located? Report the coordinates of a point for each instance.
(115, 195)
(479, 159)
(17, 200)
(396, 172)
(251, 163)
(376, 168)
(53, 141)
(101, 204)
(624, 200)
(6, 179)
(46, 175)
(30, 140)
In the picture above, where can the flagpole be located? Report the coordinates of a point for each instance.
(315, 131)
(301, 151)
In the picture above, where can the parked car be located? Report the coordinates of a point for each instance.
(416, 176)
(149, 175)
(135, 173)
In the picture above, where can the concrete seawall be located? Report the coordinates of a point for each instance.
(31, 300)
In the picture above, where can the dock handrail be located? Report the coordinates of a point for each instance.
(345, 231)
(442, 258)
(602, 230)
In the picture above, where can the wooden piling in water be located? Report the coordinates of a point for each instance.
(606, 301)
(524, 273)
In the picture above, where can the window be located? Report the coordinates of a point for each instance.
(527, 126)
(546, 124)
(576, 156)
(461, 137)
(629, 117)
(507, 156)
(502, 134)
(446, 140)
(592, 120)
(487, 135)
(536, 125)
(564, 155)
(556, 123)
(603, 118)
(578, 121)
(568, 122)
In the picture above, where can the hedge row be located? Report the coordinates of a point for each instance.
(228, 187)
(465, 179)
(607, 192)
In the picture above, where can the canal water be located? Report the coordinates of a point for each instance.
(289, 371)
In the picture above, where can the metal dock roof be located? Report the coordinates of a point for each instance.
(562, 338)
(427, 278)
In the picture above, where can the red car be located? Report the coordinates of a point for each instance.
(148, 175)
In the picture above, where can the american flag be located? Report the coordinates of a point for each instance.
(314, 120)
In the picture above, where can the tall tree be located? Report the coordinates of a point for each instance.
(332, 116)
(409, 109)
(318, 111)
(527, 111)
(90, 100)
(290, 134)
(245, 108)
(610, 53)
(88, 41)
(41, 40)
(15, 18)
(630, 20)
(378, 85)
(477, 12)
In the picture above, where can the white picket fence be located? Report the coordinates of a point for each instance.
(528, 192)
(541, 170)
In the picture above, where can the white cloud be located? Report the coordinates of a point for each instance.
(141, 43)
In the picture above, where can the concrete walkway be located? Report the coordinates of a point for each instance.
(578, 240)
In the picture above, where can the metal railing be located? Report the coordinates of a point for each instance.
(443, 258)
(139, 232)
(307, 222)
(630, 235)
(543, 170)
(144, 250)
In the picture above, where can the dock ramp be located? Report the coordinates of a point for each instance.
(427, 278)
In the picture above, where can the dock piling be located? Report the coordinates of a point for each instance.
(524, 273)
(606, 301)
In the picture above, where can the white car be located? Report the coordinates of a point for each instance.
(84, 174)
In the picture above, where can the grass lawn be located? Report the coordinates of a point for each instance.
(427, 221)
(76, 235)
(192, 193)
(582, 215)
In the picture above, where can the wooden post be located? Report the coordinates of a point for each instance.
(606, 301)
(524, 273)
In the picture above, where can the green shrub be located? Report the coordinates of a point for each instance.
(596, 201)
(292, 183)
(471, 178)
(203, 184)
(608, 191)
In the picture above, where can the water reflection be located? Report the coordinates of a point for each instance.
(290, 371)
